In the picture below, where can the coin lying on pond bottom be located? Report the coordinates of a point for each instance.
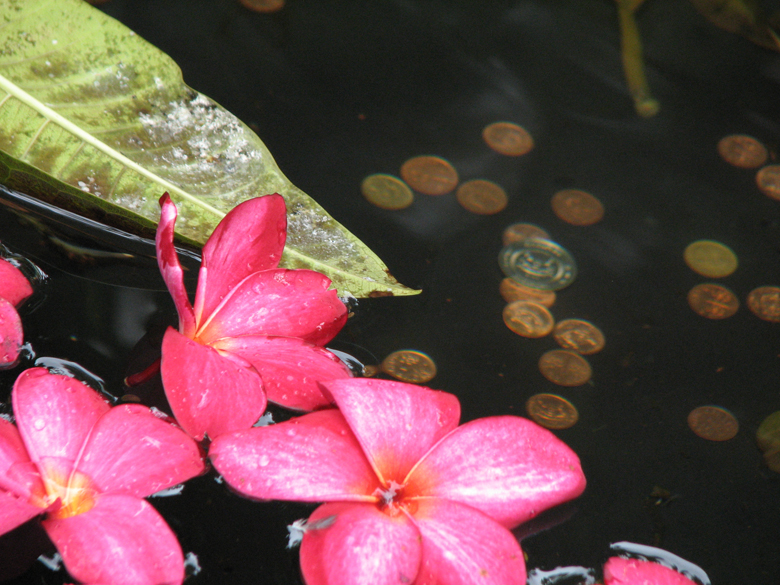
(768, 180)
(263, 5)
(768, 439)
(386, 191)
(577, 207)
(512, 290)
(528, 319)
(551, 411)
(709, 258)
(538, 263)
(712, 301)
(409, 365)
(742, 151)
(430, 175)
(713, 423)
(564, 367)
(764, 303)
(581, 336)
(482, 197)
(507, 138)
(522, 231)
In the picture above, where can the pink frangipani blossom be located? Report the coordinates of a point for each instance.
(620, 571)
(14, 289)
(411, 497)
(87, 467)
(255, 330)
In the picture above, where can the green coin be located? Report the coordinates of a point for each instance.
(538, 263)
(387, 191)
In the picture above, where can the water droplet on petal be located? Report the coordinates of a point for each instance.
(39, 424)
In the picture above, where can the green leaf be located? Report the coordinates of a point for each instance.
(96, 120)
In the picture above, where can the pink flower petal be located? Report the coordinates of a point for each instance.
(54, 413)
(15, 511)
(18, 474)
(290, 368)
(208, 392)
(395, 423)
(121, 540)
(463, 546)
(619, 571)
(359, 545)
(249, 238)
(170, 268)
(11, 334)
(133, 452)
(506, 466)
(14, 286)
(312, 458)
(286, 303)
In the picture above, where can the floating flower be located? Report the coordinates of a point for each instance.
(86, 467)
(411, 497)
(14, 289)
(620, 571)
(255, 330)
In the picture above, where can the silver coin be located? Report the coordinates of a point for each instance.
(538, 263)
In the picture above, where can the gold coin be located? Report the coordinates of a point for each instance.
(528, 319)
(512, 290)
(768, 180)
(370, 371)
(577, 207)
(581, 336)
(713, 423)
(742, 151)
(409, 365)
(386, 191)
(551, 411)
(709, 258)
(521, 231)
(508, 138)
(564, 367)
(768, 439)
(482, 197)
(764, 302)
(430, 175)
(263, 5)
(712, 301)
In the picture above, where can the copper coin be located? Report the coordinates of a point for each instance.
(768, 180)
(711, 259)
(564, 367)
(263, 5)
(551, 411)
(409, 365)
(431, 175)
(577, 207)
(742, 151)
(764, 302)
(712, 301)
(528, 319)
(386, 191)
(482, 197)
(508, 138)
(538, 263)
(521, 231)
(581, 336)
(713, 423)
(512, 290)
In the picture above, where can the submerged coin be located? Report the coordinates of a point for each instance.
(713, 423)
(577, 207)
(564, 367)
(409, 365)
(482, 197)
(431, 175)
(551, 411)
(386, 191)
(522, 231)
(512, 290)
(538, 263)
(528, 319)
(768, 180)
(764, 303)
(263, 5)
(508, 138)
(581, 336)
(742, 151)
(712, 301)
(709, 258)
(768, 439)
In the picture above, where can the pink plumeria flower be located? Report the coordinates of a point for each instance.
(87, 467)
(255, 330)
(411, 497)
(620, 571)
(14, 289)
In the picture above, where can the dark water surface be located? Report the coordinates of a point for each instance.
(340, 90)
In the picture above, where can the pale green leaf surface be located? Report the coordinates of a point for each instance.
(95, 119)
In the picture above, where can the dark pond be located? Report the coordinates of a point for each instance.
(341, 90)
